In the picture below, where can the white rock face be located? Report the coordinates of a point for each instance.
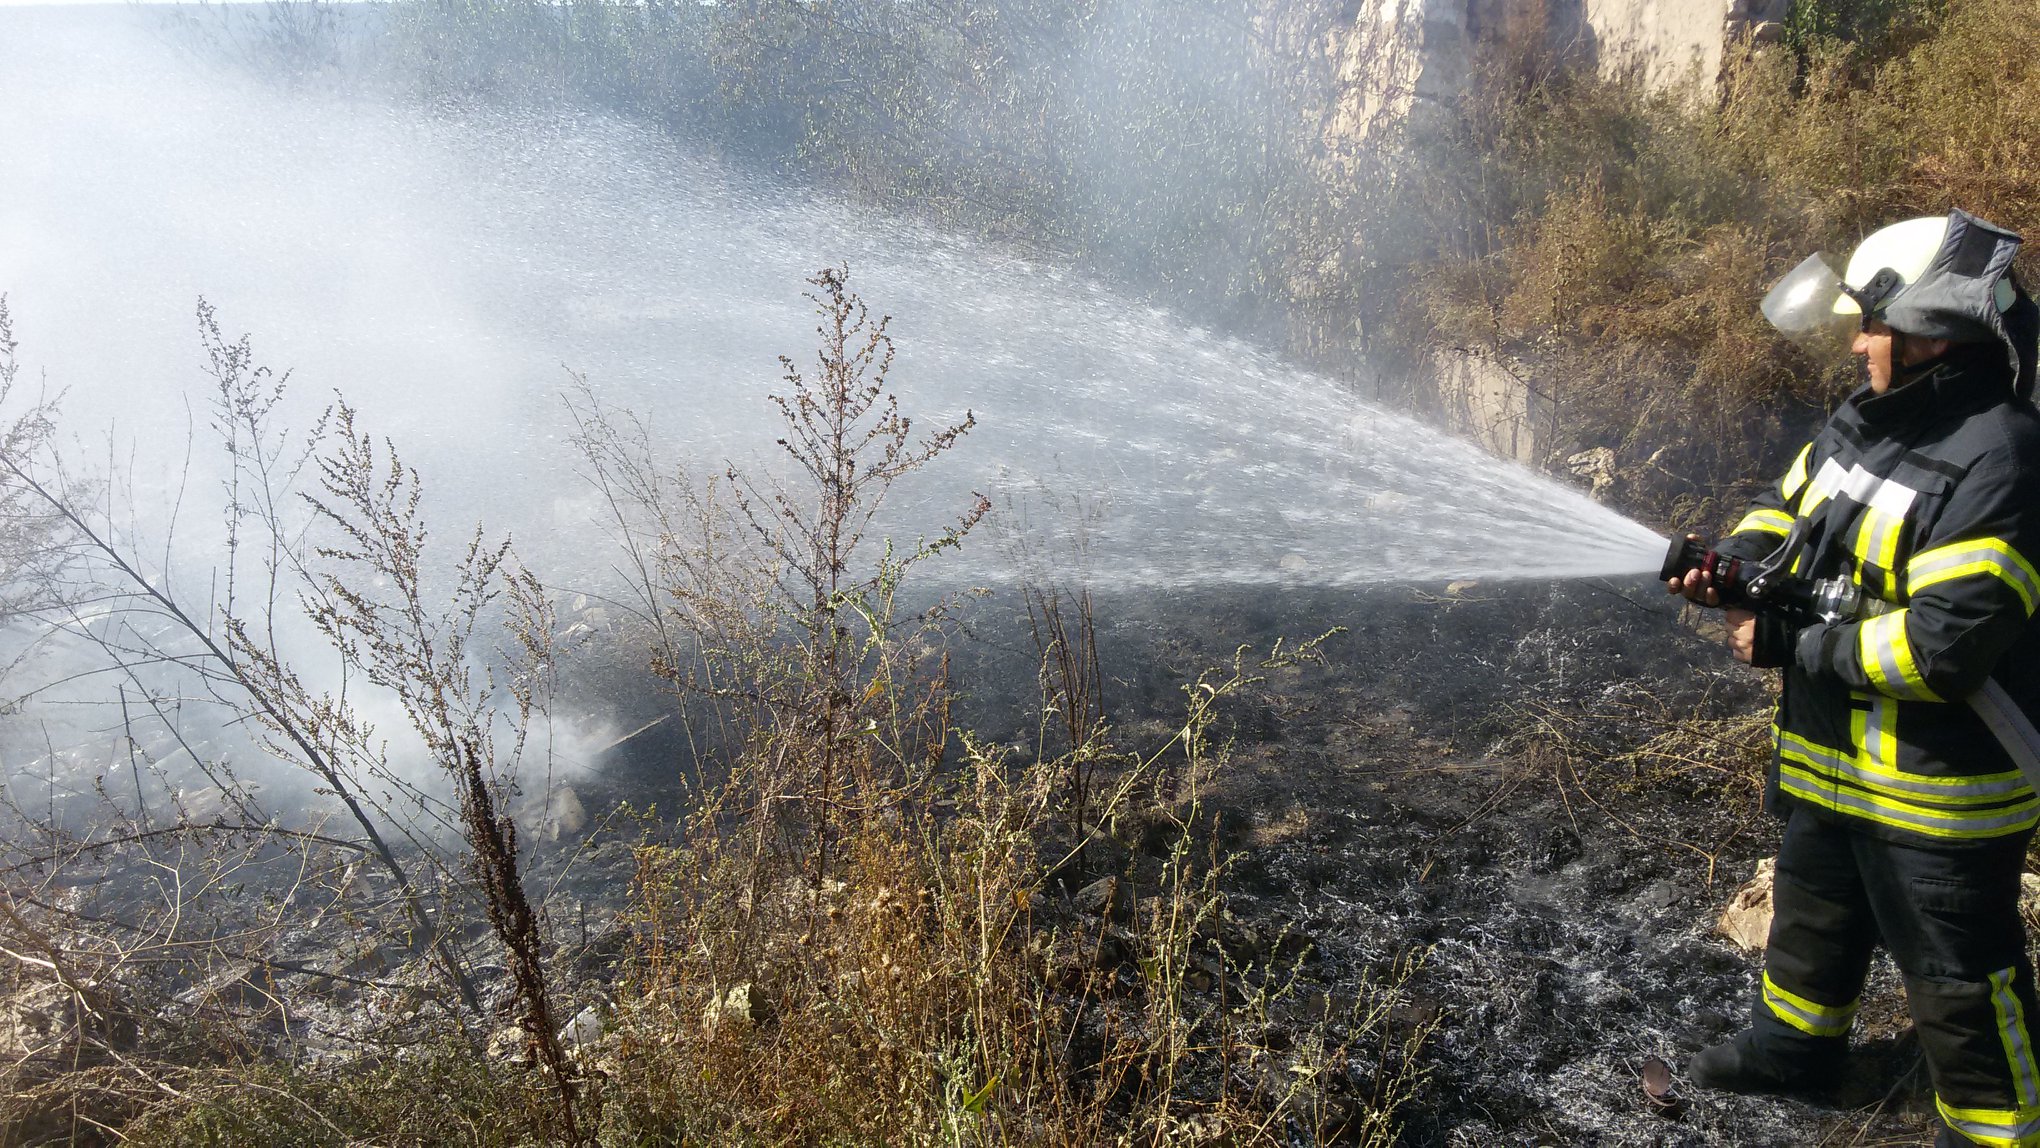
(1394, 60)
(1675, 42)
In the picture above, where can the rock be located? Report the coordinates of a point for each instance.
(741, 1006)
(507, 1043)
(2029, 897)
(1596, 466)
(1661, 895)
(1768, 32)
(567, 817)
(554, 815)
(1747, 920)
(584, 1029)
(1105, 897)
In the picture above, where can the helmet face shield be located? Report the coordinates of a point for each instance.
(1804, 308)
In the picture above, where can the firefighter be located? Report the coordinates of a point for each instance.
(1904, 742)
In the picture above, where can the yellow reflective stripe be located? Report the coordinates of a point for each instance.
(1765, 522)
(1876, 743)
(1826, 482)
(1869, 768)
(2017, 1039)
(1998, 1127)
(1795, 476)
(1947, 825)
(1887, 657)
(1993, 556)
(1875, 545)
(1807, 1016)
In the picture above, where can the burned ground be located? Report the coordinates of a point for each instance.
(1547, 794)
(1550, 793)
(1544, 795)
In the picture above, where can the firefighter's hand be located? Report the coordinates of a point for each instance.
(1742, 633)
(1697, 585)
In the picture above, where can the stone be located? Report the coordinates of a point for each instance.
(553, 816)
(507, 1043)
(2029, 898)
(741, 1007)
(1105, 897)
(584, 1029)
(1747, 919)
(1596, 466)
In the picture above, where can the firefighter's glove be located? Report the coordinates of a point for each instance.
(1814, 649)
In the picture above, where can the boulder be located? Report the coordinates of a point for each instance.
(584, 1029)
(1597, 466)
(741, 1006)
(1747, 919)
(1105, 897)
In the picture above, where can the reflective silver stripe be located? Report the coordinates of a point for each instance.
(1885, 639)
(1808, 1016)
(1875, 546)
(1765, 521)
(1888, 495)
(1878, 742)
(2009, 724)
(1846, 801)
(1806, 753)
(1967, 1121)
(1989, 556)
(2012, 1030)
(1826, 482)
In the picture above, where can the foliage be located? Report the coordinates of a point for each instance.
(1641, 228)
(857, 940)
(861, 936)
(1878, 25)
(438, 1094)
(172, 961)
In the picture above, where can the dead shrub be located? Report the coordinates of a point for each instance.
(856, 939)
(1640, 228)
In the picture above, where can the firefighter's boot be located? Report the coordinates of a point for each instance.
(1744, 1065)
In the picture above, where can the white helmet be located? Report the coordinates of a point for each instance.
(1939, 277)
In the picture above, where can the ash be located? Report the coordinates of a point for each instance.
(1551, 794)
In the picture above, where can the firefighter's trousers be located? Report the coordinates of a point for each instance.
(1950, 919)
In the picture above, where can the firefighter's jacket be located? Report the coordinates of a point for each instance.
(1927, 496)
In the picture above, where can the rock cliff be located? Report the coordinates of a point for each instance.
(1395, 60)
(1397, 67)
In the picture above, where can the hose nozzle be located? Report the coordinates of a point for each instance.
(1727, 575)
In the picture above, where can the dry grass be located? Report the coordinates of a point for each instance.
(1639, 229)
(862, 934)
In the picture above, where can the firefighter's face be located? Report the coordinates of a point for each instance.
(1873, 342)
